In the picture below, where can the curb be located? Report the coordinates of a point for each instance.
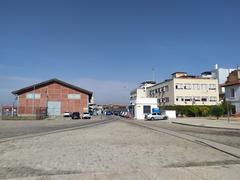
(205, 126)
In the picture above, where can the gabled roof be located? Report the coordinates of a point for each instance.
(233, 83)
(30, 88)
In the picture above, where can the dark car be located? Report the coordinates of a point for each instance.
(75, 115)
(116, 113)
(109, 113)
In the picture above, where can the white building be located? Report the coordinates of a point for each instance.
(140, 104)
(143, 106)
(183, 89)
(232, 92)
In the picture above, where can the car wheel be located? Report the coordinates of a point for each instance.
(152, 118)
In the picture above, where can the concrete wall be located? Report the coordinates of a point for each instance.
(140, 102)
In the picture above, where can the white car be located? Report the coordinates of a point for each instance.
(66, 114)
(86, 116)
(154, 116)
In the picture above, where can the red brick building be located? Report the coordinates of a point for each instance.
(54, 95)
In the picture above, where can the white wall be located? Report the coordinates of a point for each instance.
(170, 113)
(140, 102)
(236, 100)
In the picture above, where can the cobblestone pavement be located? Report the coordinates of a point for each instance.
(223, 136)
(116, 150)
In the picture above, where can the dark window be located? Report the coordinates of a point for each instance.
(166, 88)
(146, 109)
(166, 99)
(232, 92)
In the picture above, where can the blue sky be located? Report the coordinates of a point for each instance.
(110, 46)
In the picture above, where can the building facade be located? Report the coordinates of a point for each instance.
(183, 89)
(54, 95)
(140, 103)
(232, 91)
(221, 75)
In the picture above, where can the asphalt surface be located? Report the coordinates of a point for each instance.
(223, 136)
(9, 129)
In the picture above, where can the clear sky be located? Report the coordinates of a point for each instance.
(109, 46)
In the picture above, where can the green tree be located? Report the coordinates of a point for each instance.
(204, 111)
(217, 111)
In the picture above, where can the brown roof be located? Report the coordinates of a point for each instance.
(231, 83)
(29, 88)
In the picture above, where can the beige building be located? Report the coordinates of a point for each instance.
(141, 91)
(183, 89)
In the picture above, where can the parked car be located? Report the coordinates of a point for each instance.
(116, 113)
(109, 113)
(86, 116)
(154, 116)
(66, 114)
(75, 115)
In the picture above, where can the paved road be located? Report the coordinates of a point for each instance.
(116, 150)
(19, 128)
(227, 137)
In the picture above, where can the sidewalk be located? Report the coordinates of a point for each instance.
(205, 122)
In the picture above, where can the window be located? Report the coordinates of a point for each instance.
(154, 113)
(180, 98)
(213, 99)
(146, 109)
(204, 99)
(197, 98)
(188, 98)
(232, 92)
(74, 96)
(212, 86)
(198, 87)
(187, 86)
(166, 99)
(179, 86)
(204, 87)
(195, 86)
(166, 88)
(33, 96)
